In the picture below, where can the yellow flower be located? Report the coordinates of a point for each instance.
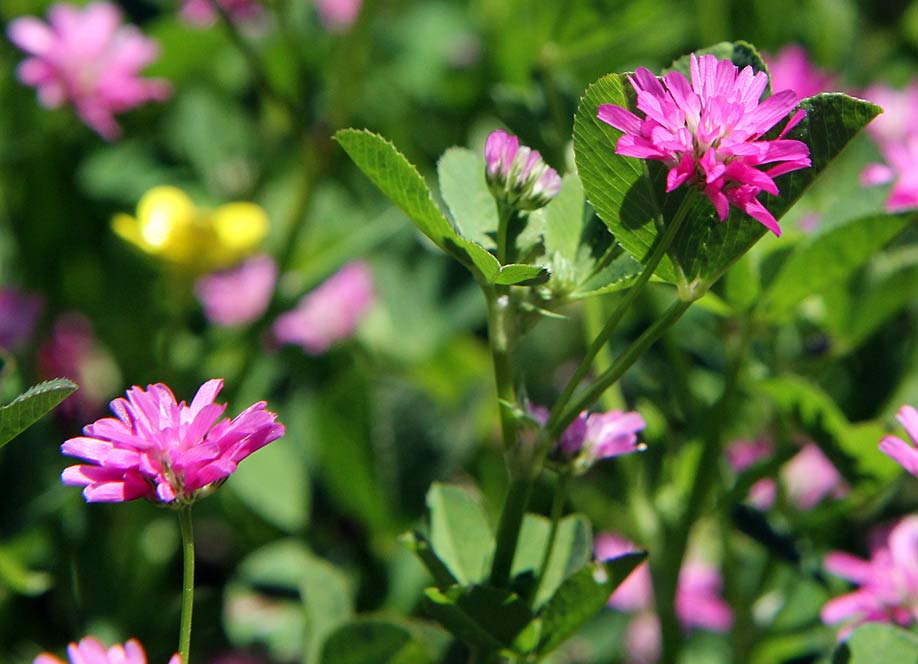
(170, 227)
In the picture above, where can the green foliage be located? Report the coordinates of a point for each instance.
(30, 406)
(573, 549)
(459, 532)
(877, 642)
(487, 619)
(275, 485)
(287, 599)
(581, 596)
(372, 641)
(628, 193)
(837, 253)
(401, 182)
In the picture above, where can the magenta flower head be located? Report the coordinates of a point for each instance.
(91, 651)
(331, 312)
(904, 454)
(239, 295)
(338, 15)
(164, 451)
(595, 436)
(709, 133)
(19, 312)
(86, 57)
(888, 582)
(516, 174)
(791, 69)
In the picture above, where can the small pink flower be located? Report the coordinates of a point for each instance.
(239, 295)
(165, 451)
(91, 651)
(517, 174)
(709, 133)
(85, 56)
(201, 14)
(73, 351)
(791, 69)
(888, 582)
(595, 436)
(19, 312)
(904, 454)
(331, 312)
(810, 478)
(338, 15)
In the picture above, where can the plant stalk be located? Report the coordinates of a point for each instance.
(187, 582)
(557, 508)
(661, 246)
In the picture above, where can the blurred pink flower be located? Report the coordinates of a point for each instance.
(165, 451)
(84, 56)
(888, 582)
(201, 14)
(329, 313)
(698, 600)
(791, 69)
(338, 15)
(73, 351)
(19, 313)
(898, 118)
(895, 132)
(904, 454)
(742, 454)
(91, 651)
(708, 133)
(809, 478)
(517, 174)
(239, 295)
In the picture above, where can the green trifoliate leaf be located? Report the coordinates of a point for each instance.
(30, 406)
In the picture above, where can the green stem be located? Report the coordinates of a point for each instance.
(187, 582)
(622, 363)
(508, 530)
(557, 508)
(676, 538)
(255, 65)
(502, 337)
(661, 246)
(505, 216)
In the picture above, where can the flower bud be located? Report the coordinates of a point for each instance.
(517, 175)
